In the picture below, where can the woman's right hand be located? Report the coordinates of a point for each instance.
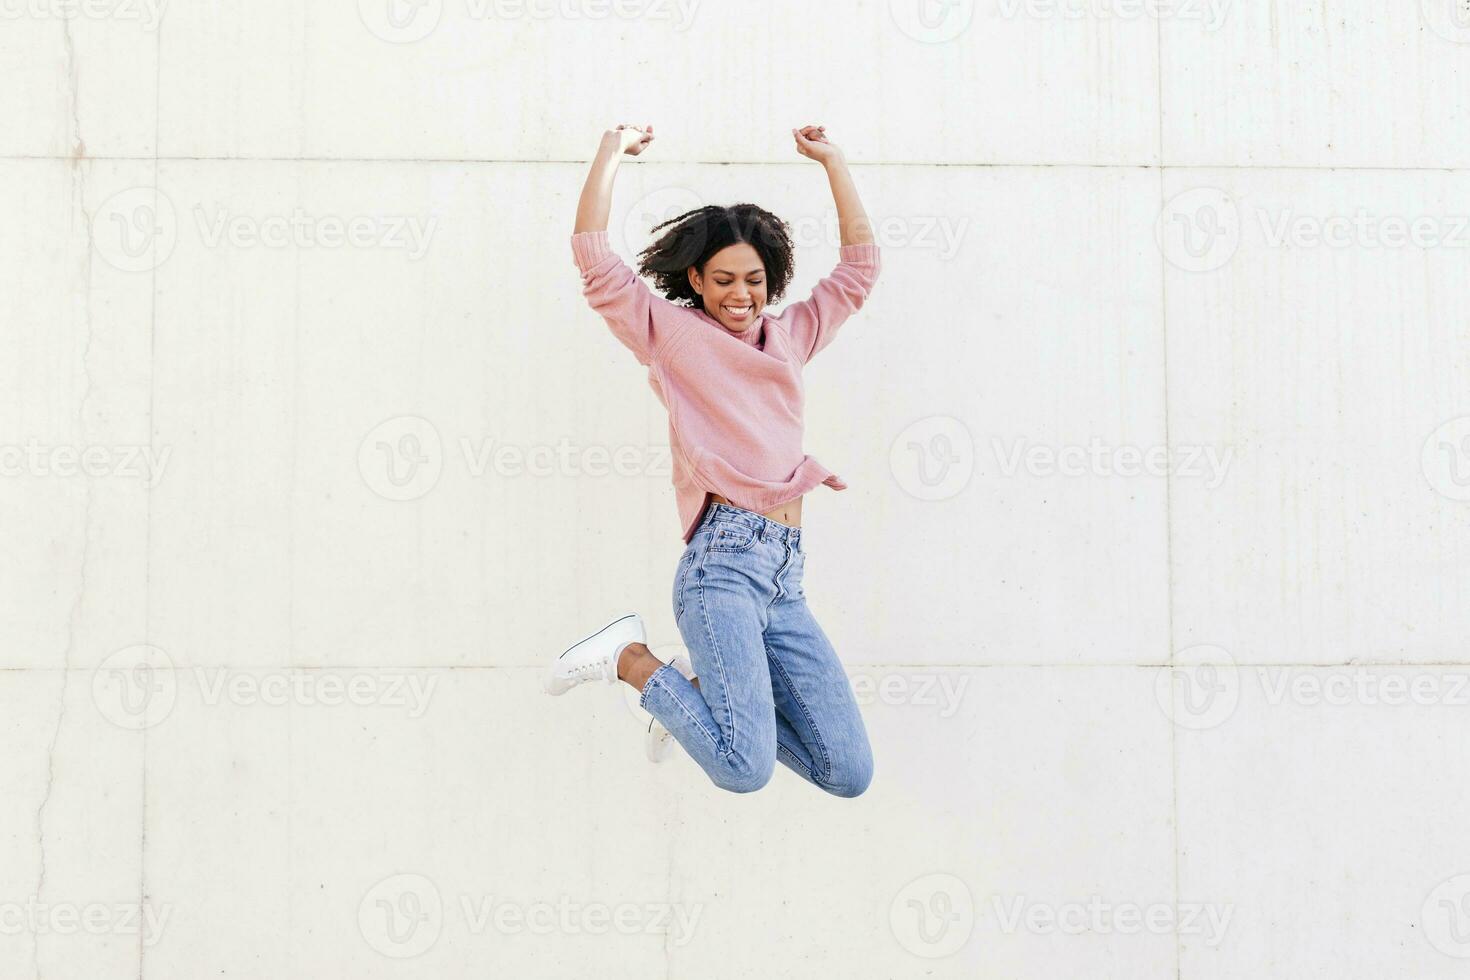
(628, 139)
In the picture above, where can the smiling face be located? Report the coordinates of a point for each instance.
(733, 286)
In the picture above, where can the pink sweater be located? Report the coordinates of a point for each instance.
(734, 400)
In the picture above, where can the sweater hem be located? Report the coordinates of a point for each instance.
(589, 248)
(865, 253)
(755, 496)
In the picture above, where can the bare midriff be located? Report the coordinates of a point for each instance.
(788, 513)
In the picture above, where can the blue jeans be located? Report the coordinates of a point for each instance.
(770, 684)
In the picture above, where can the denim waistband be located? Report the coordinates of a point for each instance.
(763, 526)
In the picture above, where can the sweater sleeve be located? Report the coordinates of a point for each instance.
(637, 316)
(813, 322)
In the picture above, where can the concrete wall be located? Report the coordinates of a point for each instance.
(1151, 576)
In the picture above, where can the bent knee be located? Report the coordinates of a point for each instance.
(850, 780)
(744, 776)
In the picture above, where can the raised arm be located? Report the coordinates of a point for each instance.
(813, 322)
(610, 286)
(852, 220)
(596, 200)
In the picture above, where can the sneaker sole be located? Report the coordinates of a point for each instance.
(663, 744)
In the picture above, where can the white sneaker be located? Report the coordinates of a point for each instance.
(594, 658)
(659, 740)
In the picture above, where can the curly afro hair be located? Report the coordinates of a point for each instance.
(694, 236)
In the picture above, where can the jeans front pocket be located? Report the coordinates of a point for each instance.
(732, 537)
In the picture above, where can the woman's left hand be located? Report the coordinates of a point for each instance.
(811, 141)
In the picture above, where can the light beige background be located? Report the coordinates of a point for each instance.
(279, 686)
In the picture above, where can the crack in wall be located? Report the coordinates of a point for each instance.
(74, 115)
(78, 206)
(50, 782)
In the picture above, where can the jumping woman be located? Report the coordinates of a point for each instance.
(761, 681)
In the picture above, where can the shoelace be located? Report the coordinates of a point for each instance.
(591, 669)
